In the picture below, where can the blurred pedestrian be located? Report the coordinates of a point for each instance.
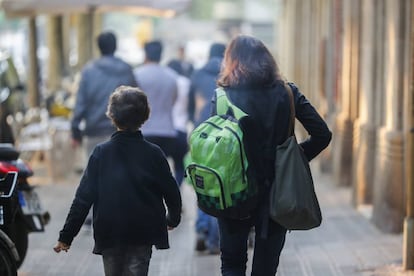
(127, 181)
(99, 78)
(160, 85)
(180, 119)
(253, 83)
(186, 68)
(203, 82)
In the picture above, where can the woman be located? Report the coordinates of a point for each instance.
(252, 81)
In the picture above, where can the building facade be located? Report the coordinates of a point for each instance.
(354, 59)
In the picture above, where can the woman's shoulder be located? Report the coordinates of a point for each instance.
(293, 88)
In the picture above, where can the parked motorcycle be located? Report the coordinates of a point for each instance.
(29, 216)
(9, 257)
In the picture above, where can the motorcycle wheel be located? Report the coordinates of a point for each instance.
(8, 266)
(19, 235)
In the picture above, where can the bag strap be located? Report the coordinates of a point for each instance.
(291, 130)
(224, 105)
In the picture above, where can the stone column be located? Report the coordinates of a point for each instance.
(287, 35)
(84, 24)
(329, 56)
(33, 79)
(290, 50)
(96, 30)
(56, 56)
(323, 25)
(408, 242)
(365, 124)
(314, 69)
(66, 44)
(344, 133)
(303, 46)
(388, 197)
(322, 84)
(303, 50)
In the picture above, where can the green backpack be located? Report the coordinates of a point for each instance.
(218, 165)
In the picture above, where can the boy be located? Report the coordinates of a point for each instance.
(126, 181)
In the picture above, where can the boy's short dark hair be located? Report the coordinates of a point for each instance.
(128, 108)
(107, 43)
(153, 50)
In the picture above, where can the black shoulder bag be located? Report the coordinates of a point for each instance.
(293, 202)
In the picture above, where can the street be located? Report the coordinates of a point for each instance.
(346, 243)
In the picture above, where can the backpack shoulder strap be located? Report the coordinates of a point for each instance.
(224, 105)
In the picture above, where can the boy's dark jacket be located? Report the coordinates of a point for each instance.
(126, 180)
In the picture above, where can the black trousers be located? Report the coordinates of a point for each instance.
(233, 245)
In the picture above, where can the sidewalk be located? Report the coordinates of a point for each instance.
(346, 244)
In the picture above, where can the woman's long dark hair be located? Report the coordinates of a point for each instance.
(247, 61)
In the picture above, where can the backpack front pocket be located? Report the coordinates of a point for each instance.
(208, 185)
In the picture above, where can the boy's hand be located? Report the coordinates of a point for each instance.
(61, 246)
(169, 228)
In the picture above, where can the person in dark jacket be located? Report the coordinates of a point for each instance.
(185, 67)
(203, 85)
(99, 78)
(127, 180)
(253, 83)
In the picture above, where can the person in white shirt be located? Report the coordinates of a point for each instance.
(160, 86)
(180, 119)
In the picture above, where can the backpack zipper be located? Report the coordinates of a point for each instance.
(214, 125)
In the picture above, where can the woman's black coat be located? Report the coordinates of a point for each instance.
(267, 126)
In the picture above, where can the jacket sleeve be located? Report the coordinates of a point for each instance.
(191, 104)
(80, 107)
(131, 78)
(84, 198)
(319, 133)
(171, 193)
